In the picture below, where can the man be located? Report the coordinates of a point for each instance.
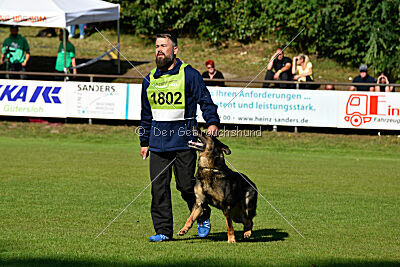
(71, 61)
(363, 78)
(282, 67)
(15, 52)
(212, 73)
(170, 94)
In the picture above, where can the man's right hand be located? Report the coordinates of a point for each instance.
(144, 152)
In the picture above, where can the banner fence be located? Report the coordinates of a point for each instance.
(258, 106)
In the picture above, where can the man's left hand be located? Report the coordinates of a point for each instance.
(212, 130)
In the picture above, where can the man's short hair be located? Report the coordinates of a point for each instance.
(170, 36)
(14, 27)
(66, 32)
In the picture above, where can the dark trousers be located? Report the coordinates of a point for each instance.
(309, 86)
(15, 67)
(183, 168)
(284, 76)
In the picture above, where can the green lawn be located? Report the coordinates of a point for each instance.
(60, 185)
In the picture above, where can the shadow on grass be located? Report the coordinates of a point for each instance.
(263, 235)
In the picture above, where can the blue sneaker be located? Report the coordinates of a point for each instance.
(158, 238)
(203, 229)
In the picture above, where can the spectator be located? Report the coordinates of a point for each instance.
(15, 52)
(282, 69)
(212, 73)
(81, 31)
(71, 62)
(382, 79)
(329, 87)
(363, 78)
(302, 71)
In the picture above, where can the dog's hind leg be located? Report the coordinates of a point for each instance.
(229, 227)
(248, 226)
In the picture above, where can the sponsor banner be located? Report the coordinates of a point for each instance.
(275, 106)
(97, 100)
(33, 98)
(134, 103)
(368, 110)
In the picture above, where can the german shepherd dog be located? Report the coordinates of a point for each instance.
(219, 186)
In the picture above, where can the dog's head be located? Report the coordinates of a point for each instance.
(209, 146)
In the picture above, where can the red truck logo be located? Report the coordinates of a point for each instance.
(359, 108)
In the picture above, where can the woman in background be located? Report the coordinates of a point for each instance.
(302, 71)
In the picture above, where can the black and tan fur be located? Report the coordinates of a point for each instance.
(219, 186)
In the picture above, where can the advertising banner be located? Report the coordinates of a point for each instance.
(258, 106)
(97, 100)
(275, 106)
(134, 103)
(368, 110)
(33, 98)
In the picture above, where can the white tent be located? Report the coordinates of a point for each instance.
(57, 13)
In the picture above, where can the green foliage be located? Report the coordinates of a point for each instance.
(352, 32)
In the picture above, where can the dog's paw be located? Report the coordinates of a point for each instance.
(247, 234)
(183, 231)
(230, 241)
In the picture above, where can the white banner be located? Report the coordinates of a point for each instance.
(33, 98)
(134, 101)
(97, 100)
(275, 106)
(289, 107)
(368, 110)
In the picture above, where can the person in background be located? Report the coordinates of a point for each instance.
(212, 73)
(81, 31)
(282, 69)
(382, 79)
(363, 78)
(16, 51)
(329, 87)
(302, 71)
(71, 62)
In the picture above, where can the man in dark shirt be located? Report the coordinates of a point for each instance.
(212, 73)
(363, 78)
(282, 67)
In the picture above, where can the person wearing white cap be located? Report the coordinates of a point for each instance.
(363, 78)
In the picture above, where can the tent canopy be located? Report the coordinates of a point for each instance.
(56, 13)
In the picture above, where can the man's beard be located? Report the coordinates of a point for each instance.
(164, 63)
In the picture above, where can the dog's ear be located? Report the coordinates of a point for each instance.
(226, 150)
(221, 146)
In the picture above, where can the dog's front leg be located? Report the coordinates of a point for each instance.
(196, 212)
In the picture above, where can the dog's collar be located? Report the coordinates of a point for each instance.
(210, 168)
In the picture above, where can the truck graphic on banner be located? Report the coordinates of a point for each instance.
(360, 107)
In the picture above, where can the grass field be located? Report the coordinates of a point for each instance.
(60, 185)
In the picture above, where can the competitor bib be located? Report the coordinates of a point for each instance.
(167, 96)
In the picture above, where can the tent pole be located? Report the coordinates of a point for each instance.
(119, 61)
(65, 52)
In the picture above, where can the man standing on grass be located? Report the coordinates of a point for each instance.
(170, 94)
